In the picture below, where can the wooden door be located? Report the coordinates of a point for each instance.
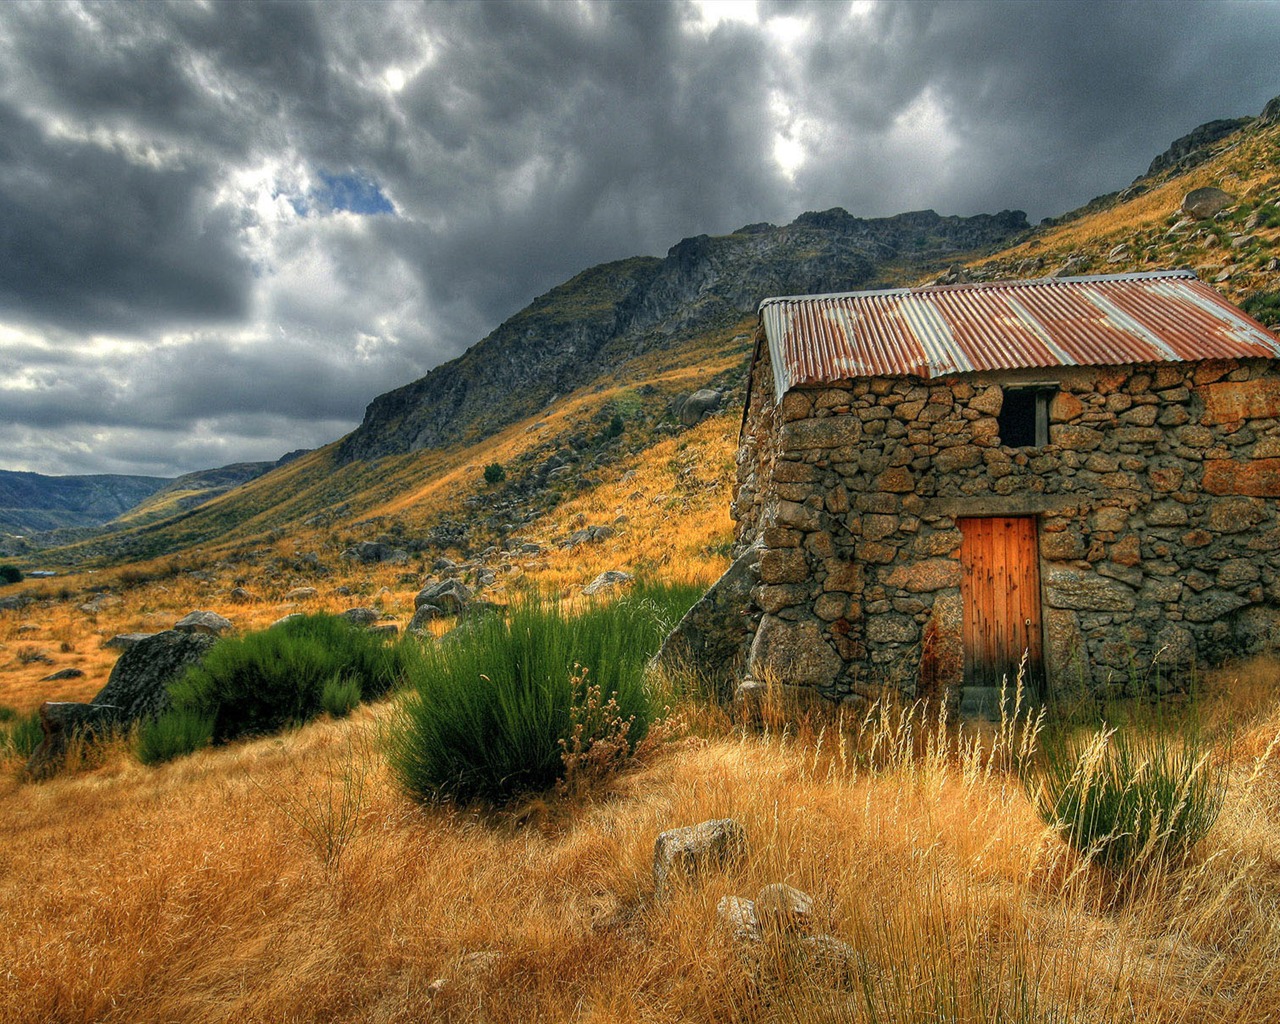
(1001, 594)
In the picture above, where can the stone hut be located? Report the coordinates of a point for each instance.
(1077, 476)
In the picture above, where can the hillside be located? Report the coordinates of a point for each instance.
(32, 501)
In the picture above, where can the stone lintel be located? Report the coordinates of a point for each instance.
(1000, 505)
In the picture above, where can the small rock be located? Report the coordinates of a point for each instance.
(385, 629)
(203, 622)
(608, 580)
(302, 594)
(27, 627)
(447, 595)
(783, 908)
(835, 961)
(687, 851)
(97, 604)
(425, 613)
(242, 596)
(286, 618)
(1118, 254)
(63, 673)
(738, 916)
(361, 616)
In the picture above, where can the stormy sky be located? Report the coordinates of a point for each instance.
(225, 227)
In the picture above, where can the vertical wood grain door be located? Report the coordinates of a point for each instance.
(1000, 590)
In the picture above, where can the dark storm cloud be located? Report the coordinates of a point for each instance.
(229, 220)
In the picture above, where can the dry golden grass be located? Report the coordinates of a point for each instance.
(205, 891)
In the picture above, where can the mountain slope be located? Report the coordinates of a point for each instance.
(32, 501)
(568, 336)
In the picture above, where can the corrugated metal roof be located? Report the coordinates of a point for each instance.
(1167, 316)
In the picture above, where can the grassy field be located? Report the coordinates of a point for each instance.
(289, 879)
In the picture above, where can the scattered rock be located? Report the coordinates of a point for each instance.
(425, 613)
(203, 622)
(14, 602)
(123, 641)
(370, 552)
(687, 852)
(361, 616)
(608, 580)
(100, 603)
(448, 595)
(1202, 203)
(783, 908)
(385, 629)
(242, 596)
(286, 618)
(836, 962)
(302, 594)
(27, 627)
(588, 535)
(690, 409)
(738, 916)
(63, 673)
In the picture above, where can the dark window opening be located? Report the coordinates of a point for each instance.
(1024, 417)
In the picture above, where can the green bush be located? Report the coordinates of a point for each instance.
(19, 734)
(265, 681)
(176, 733)
(340, 696)
(1130, 798)
(494, 473)
(1264, 307)
(10, 574)
(500, 701)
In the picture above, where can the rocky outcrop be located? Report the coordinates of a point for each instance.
(566, 337)
(1193, 148)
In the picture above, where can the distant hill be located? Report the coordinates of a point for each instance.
(31, 502)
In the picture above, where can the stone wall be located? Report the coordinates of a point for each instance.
(1159, 532)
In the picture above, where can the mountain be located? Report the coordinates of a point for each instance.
(570, 335)
(32, 501)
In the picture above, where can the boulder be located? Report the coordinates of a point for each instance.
(203, 622)
(387, 629)
(371, 552)
(448, 595)
(242, 596)
(286, 618)
(715, 633)
(425, 613)
(1202, 203)
(611, 579)
(138, 681)
(587, 535)
(687, 852)
(136, 689)
(100, 603)
(692, 409)
(361, 616)
(302, 594)
(14, 602)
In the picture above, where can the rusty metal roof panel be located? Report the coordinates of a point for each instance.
(1167, 316)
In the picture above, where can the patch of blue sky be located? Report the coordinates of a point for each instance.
(351, 192)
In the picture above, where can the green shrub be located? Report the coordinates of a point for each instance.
(1264, 307)
(494, 473)
(340, 696)
(20, 734)
(176, 733)
(500, 701)
(265, 681)
(10, 574)
(1129, 798)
